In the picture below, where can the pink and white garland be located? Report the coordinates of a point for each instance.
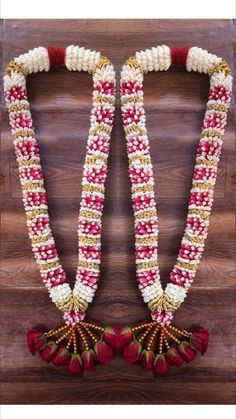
(72, 302)
(158, 344)
(163, 302)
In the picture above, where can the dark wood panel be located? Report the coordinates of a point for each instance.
(175, 103)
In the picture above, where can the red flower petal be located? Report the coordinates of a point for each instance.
(75, 365)
(147, 360)
(111, 336)
(49, 352)
(103, 352)
(200, 340)
(186, 351)
(35, 339)
(89, 359)
(125, 335)
(174, 356)
(118, 337)
(161, 364)
(132, 352)
(62, 357)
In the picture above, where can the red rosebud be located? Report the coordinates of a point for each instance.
(132, 352)
(174, 356)
(147, 360)
(89, 359)
(125, 336)
(103, 352)
(75, 365)
(199, 340)
(118, 338)
(35, 339)
(111, 336)
(49, 352)
(186, 351)
(62, 356)
(161, 364)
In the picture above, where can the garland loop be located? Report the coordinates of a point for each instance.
(74, 344)
(163, 348)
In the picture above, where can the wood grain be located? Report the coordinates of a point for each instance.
(175, 103)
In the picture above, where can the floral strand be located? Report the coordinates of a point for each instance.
(72, 303)
(163, 302)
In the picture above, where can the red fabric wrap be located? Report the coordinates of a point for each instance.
(179, 55)
(56, 56)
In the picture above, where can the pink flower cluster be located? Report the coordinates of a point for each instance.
(20, 120)
(201, 199)
(27, 149)
(139, 175)
(34, 173)
(15, 93)
(35, 199)
(148, 277)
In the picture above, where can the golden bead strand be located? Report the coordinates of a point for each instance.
(93, 326)
(142, 326)
(93, 337)
(142, 337)
(60, 339)
(83, 338)
(74, 340)
(56, 331)
(181, 332)
(69, 342)
(172, 336)
(166, 342)
(161, 340)
(152, 337)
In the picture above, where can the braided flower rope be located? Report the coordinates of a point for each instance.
(76, 334)
(164, 302)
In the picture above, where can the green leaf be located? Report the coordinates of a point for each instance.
(126, 330)
(76, 356)
(110, 330)
(192, 337)
(181, 345)
(88, 353)
(148, 354)
(162, 356)
(64, 352)
(171, 352)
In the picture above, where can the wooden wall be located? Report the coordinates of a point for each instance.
(175, 104)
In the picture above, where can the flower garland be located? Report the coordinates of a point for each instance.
(159, 344)
(77, 344)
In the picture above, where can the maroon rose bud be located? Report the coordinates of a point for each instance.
(125, 336)
(199, 340)
(75, 365)
(173, 356)
(111, 336)
(36, 340)
(147, 360)
(62, 357)
(132, 352)
(161, 364)
(89, 359)
(103, 352)
(49, 352)
(186, 351)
